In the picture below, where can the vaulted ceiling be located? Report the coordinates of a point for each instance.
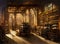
(40, 3)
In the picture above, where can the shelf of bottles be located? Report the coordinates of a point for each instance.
(53, 16)
(49, 22)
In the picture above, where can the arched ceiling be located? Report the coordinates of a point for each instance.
(40, 3)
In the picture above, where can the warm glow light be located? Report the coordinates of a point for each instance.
(40, 12)
(13, 32)
(32, 11)
(17, 30)
(27, 12)
(9, 35)
(54, 28)
(11, 19)
(17, 39)
(19, 18)
(27, 16)
(33, 17)
(49, 8)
